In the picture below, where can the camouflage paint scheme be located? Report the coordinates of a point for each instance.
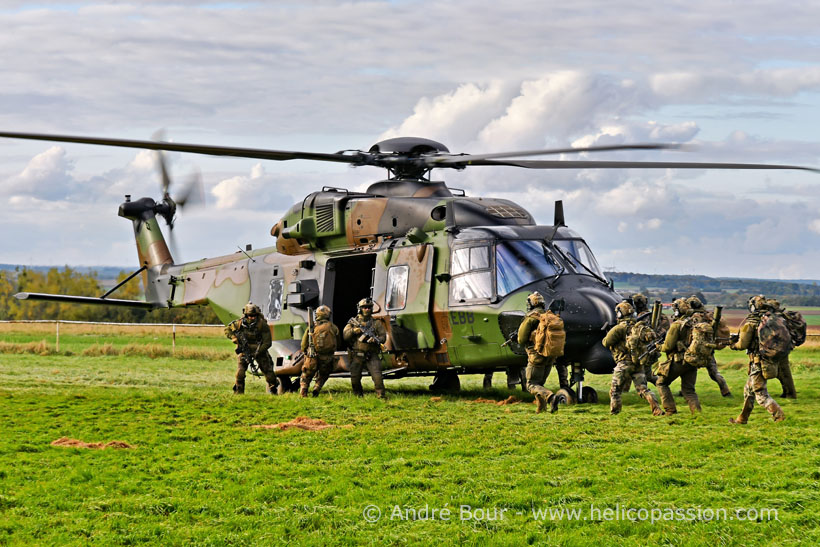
(410, 231)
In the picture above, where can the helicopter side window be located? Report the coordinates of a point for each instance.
(472, 277)
(521, 262)
(275, 305)
(397, 277)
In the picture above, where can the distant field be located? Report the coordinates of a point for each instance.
(200, 473)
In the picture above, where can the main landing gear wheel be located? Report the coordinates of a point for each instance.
(589, 395)
(286, 385)
(445, 381)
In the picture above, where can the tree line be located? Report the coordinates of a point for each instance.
(729, 292)
(73, 282)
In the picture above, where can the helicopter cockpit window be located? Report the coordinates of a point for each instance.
(580, 257)
(397, 277)
(472, 277)
(521, 262)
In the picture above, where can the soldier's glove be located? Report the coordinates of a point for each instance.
(234, 339)
(357, 331)
(260, 353)
(372, 340)
(237, 350)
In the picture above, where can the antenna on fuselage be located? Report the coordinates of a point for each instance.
(559, 214)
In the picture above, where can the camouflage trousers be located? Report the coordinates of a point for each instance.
(688, 377)
(650, 376)
(756, 390)
(359, 361)
(320, 366)
(538, 369)
(265, 364)
(626, 372)
(717, 377)
(784, 374)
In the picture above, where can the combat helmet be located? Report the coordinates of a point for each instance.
(639, 301)
(681, 308)
(624, 310)
(695, 303)
(322, 313)
(364, 303)
(757, 303)
(535, 300)
(251, 309)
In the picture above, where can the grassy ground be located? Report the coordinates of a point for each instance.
(200, 473)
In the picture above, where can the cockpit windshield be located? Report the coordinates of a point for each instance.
(580, 257)
(521, 262)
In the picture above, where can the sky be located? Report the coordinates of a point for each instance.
(738, 81)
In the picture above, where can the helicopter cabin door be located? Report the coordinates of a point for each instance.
(402, 283)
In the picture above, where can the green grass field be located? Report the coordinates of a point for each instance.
(200, 473)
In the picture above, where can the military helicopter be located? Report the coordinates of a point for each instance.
(448, 273)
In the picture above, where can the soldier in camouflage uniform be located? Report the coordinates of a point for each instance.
(699, 314)
(755, 388)
(784, 370)
(644, 314)
(319, 360)
(538, 366)
(674, 345)
(627, 341)
(253, 328)
(364, 350)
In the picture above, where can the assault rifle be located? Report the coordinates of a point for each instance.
(649, 348)
(311, 325)
(243, 347)
(369, 334)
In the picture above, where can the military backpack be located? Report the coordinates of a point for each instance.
(701, 346)
(324, 339)
(550, 335)
(774, 339)
(640, 335)
(796, 325)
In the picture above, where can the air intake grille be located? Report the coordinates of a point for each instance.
(506, 211)
(324, 218)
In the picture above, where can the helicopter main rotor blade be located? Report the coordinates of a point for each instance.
(592, 164)
(256, 153)
(470, 159)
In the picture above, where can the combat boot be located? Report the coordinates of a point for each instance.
(303, 391)
(238, 390)
(653, 404)
(541, 402)
(315, 392)
(745, 412)
(776, 412)
(380, 394)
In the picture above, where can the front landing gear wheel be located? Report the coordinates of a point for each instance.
(286, 385)
(569, 394)
(445, 381)
(589, 395)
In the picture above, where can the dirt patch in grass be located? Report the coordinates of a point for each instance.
(302, 422)
(76, 443)
(511, 400)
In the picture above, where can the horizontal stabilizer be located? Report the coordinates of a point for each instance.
(69, 299)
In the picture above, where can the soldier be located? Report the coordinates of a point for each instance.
(365, 337)
(318, 346)
(251, 335)
(784, 370)
(674, 345)
(761, 367)
(699, 314)
(538, 365)
(628, 341)
(645, 315)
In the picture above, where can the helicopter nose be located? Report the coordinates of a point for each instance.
(589, 313)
